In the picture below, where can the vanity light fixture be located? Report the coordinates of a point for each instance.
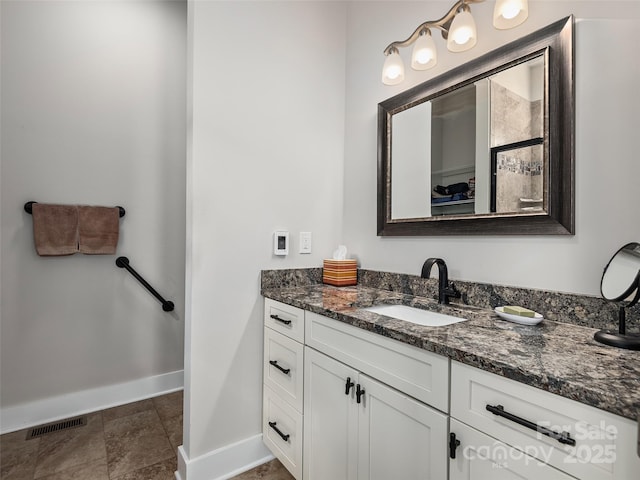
(457, 27)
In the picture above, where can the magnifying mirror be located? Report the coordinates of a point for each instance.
(621, 278)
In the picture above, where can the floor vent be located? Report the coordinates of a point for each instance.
(56, 426)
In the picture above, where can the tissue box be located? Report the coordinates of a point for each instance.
(340, 273)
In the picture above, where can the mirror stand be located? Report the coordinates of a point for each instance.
(621, 339)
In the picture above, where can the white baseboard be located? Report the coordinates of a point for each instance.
(225, 462)
(27, 415)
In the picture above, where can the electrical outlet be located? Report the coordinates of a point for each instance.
(305, 242)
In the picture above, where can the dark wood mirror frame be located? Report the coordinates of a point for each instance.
(555, 42)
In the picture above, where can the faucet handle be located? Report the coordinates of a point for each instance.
(452, 291)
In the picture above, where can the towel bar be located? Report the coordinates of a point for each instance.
(28, 207)
(123, 262)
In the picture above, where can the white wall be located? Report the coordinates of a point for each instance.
(266, 154)
(93, 112)
(607, 167)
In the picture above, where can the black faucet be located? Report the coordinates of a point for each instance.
(445, 290)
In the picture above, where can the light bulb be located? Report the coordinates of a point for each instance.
(393, 69)
(424, 54)
(462, 34)
(510, 13)
(393, 72)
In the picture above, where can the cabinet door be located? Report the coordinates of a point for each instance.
(481, 457)
(330, 419)
(398, 437)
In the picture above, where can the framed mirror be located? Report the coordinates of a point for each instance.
(486, 148)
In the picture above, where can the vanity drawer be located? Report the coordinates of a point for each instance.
(479, 456)
(285, 319)
(282, 431)
(604, 443)
(421, 374)
(284, 367)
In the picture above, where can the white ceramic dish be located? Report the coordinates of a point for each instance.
(537, 318)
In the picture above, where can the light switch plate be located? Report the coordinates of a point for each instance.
(305, 242)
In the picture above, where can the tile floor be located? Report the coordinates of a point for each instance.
(137, 441)
(272, 470)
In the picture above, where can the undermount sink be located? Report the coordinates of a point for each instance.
(415, 315)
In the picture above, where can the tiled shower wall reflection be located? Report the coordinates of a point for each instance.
(513, 119)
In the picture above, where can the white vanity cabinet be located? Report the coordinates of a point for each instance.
(549, 434)
(343, 403)
(283, 371)
(356, 427)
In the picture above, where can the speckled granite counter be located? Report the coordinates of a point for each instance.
(561, 358)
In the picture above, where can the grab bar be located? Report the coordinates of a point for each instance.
(123, 262)
(28, 207)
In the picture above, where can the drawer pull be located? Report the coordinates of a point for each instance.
(283, 370)
(359, 393)
(563, 437)
(454, 443)
(282, 435)
(348, 386)
(278, 319)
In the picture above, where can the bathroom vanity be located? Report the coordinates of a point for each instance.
(352, 394)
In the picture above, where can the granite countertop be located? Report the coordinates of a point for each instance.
(561, 358)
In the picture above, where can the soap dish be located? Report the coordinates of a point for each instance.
(537, 318)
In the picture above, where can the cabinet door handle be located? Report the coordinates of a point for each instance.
(348, 386)
(562, 437)
(283, 370)
(359, 393)
(454, 443)
(278, 319)
(282, 435)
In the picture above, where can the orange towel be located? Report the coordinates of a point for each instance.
(98, 230)
(55, 229)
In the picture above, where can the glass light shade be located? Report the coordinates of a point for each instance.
(393, 69)
(510, 13)
(424, 54)
(462, 34)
